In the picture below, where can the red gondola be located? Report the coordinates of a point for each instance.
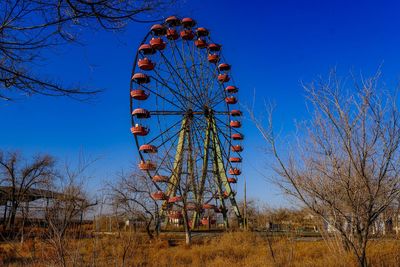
(231, 89)
(160, 178)
(223, 78)
(237, 136)
(188, 22)
(146, 148)
(140, 130)
(202, 32)
(208, 206)
(146, 64)
(187, 35)
(157, 43)
(146, 49)
(147, 166)
(173, 21)
(158, 29)
(236, 113)
(231, 100)
(224, 67)
(175, 199)
(235, 159)
(141, 113)
(232, 180)
(139, 94)
(235, 124)
(234, 171)
(214, 47)
(200, 43)
(141, 78)
(172, 34)
(159, 195)
(237, 148)
(213, 58)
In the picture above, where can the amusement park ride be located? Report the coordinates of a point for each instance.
(186, 132)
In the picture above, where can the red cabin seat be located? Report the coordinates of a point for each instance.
(214, 47)
(237, 148)
(175, 199)
(235, 159)
(208, 206)
(235, 124)
(146, 49)
(172, 34)
(231, 89)
(200, 43)
(223, 78)
(139, 94)
(158, 29)
(173, 21)
(145, 64)
(224, 67)
(232, 180)
(237, 136)
(188, 22)
(141, 78)
(231, 100)
(147, 166)
(213, 58)
(157, 43)
(187, 35)
(140, 130)
(202, 32)
(236, 113)
(159, 195)
(146, 148)
(235, 171)
(141, 113)
(160, 178)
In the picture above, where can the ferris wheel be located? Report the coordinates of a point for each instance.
(185, 124)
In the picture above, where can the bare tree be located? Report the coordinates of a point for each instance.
(18, 177)
(131, 197)
(345, 165)
(65, 212)
(30, 27)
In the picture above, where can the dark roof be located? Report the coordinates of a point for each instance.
(31, 194)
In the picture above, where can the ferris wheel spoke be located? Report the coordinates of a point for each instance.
(162, 81)
(187, 71)
(181, 66)
(164, 98)
(226, 125)
(183, 81)
(163, 133)
(166, 112)
(176, 93)
(167, 153)
(194, 70)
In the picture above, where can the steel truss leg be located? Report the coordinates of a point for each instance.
(221, 175)
(177, 168)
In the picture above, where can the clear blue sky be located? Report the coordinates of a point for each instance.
(272, 46)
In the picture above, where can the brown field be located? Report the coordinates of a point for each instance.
(229, 249)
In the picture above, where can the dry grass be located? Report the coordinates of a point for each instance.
(229, 249)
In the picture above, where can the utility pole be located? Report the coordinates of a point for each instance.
(245, 206)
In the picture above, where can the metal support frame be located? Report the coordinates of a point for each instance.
(221, 173)
(212, 145)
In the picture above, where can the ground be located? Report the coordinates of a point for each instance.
(228, 249)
